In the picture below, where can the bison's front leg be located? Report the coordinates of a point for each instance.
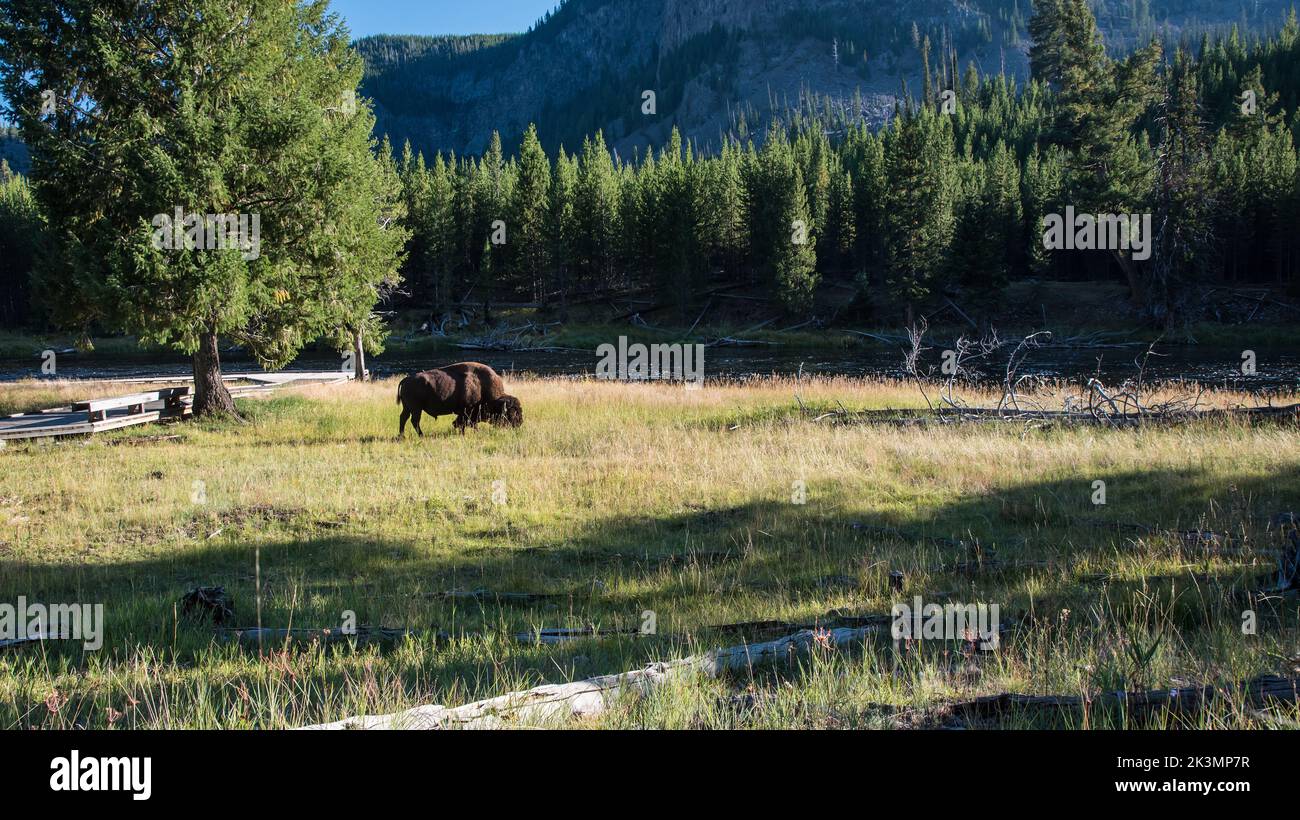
(460, 422)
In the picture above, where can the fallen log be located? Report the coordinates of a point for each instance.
(1192, 538)
(1263, 691)
(28, 640)
(997, 567)
(518, 598)
(911, 416)
(328, 636)
(551, 637)
(972, 544)
(553, 703)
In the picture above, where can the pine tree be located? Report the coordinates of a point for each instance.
(841, 227)
(866, 161)
(471, 233)
(528, 216)
(640, 246)
(597, 209)
(794, 267)
(493, 200)
(1183, 197)
(561, 226)
(22, 230)
(782, 234)
(728, 209)
(416, 196)
(1042, 193)
(1046, 30)
(439, 223)
(674, 216)
(918, 223)
(262, 125)
(988, 241)
(369, 238)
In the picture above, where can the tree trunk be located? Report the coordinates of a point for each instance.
(211, 398)
(1136, 291)
(358, 355)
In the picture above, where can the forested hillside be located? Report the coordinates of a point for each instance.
(12, 150)
(546, 185)
(945, 203)
(723, 66)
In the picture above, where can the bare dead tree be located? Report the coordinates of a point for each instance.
(1012, 380)
(912, 358)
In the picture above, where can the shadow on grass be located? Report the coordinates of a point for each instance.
(610, 571)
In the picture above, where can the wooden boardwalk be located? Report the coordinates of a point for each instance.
(147, 407)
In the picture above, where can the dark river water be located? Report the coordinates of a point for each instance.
(1275, 369)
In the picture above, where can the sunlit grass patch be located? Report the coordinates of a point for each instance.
(615, 500)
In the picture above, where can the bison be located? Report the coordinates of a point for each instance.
(470, 391)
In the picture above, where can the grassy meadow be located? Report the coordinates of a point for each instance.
(621, 499)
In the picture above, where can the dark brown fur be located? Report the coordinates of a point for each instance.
(505, 411)
(470, 391)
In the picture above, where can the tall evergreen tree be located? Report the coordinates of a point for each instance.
(1183, 197)
(918, 206)
(493, 197)
(528, 216)
(782, 233)
(598, 214)
(214, 107)
(439, 222)
(21, 231)
(561, 226)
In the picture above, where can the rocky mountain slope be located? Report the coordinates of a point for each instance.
(720, 65)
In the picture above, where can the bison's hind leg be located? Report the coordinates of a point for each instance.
(401, 426)
(415, 422)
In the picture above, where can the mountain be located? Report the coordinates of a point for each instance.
(718, 66)
(13, 151)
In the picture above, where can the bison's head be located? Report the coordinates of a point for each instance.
(505, 412)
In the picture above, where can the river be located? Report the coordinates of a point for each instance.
(1275, 369)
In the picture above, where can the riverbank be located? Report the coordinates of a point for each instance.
(17, 347)
(704, 508)
(525, 330)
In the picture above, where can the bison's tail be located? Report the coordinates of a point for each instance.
(399, 391)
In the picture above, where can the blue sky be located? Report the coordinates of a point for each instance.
(367, 17)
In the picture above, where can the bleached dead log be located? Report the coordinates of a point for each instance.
(554, 703)
(904, 417)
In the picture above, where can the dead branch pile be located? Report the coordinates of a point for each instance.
(208, 603)
(525, 338)
(1025, 396)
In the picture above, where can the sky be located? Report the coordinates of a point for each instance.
(366, 17)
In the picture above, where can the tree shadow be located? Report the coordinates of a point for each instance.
(694, 563)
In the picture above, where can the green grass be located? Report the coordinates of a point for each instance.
(622, 499)
(29, 345)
